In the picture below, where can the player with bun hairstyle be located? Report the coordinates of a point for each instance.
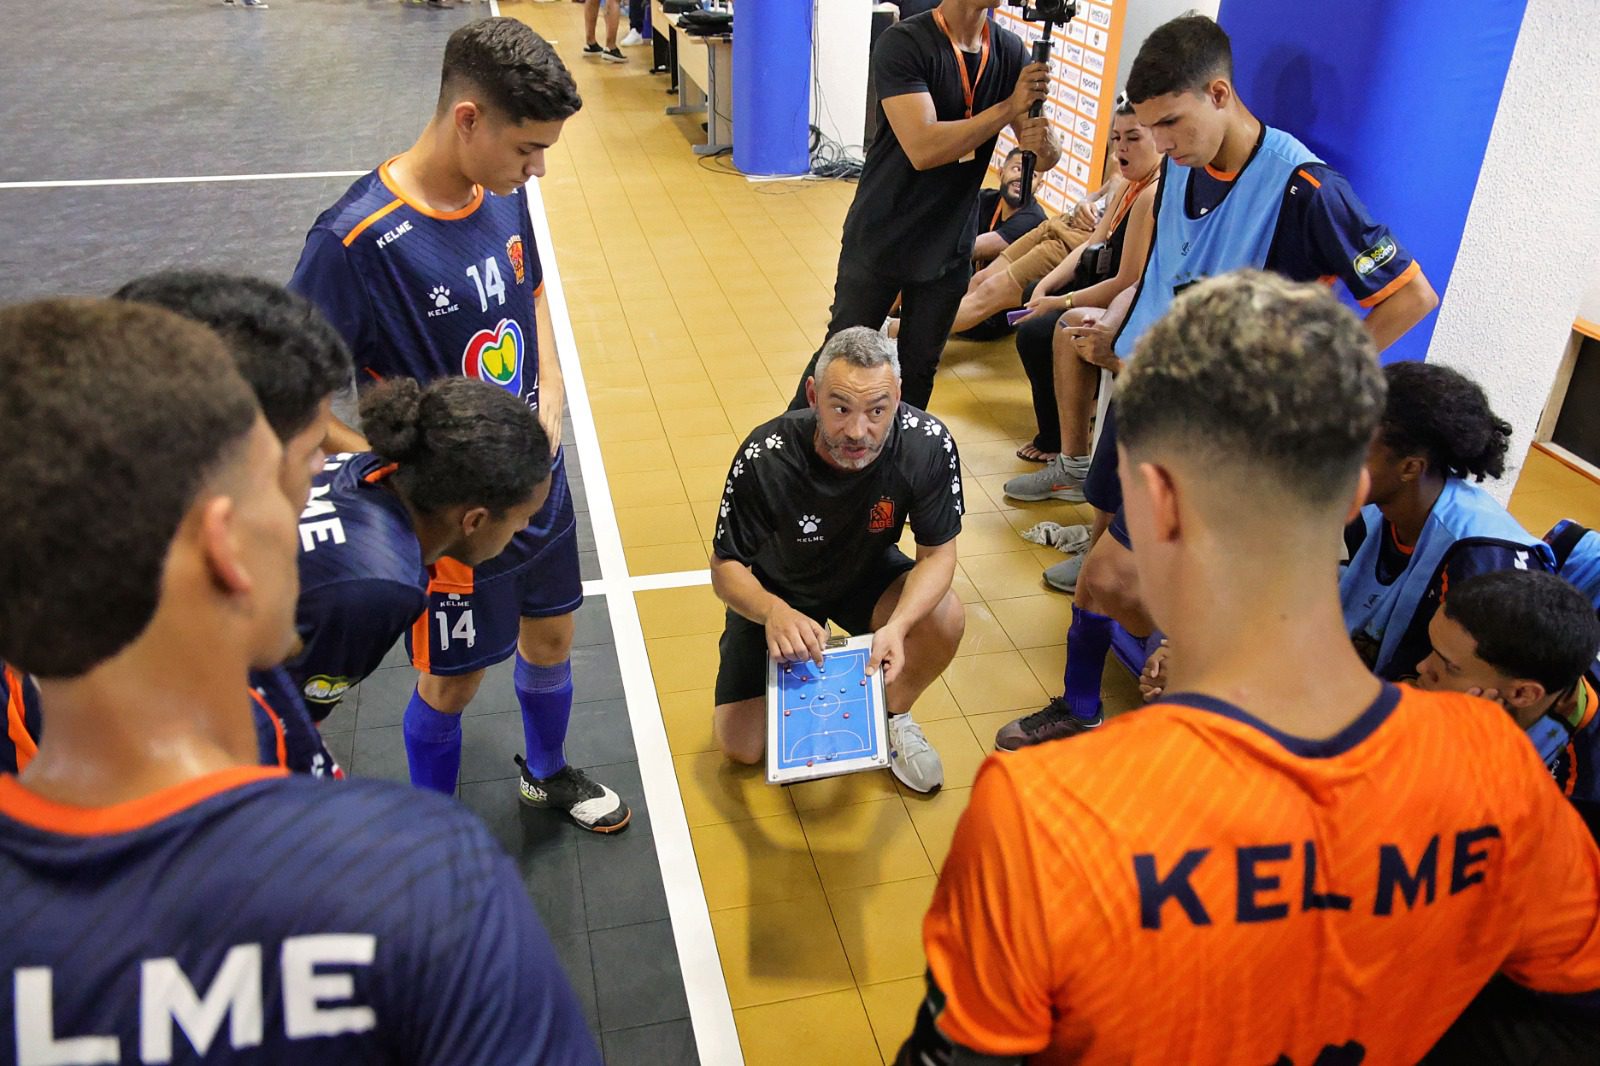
(456, 469)
(1425, 526)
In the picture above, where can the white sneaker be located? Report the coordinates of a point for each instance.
(632, 39)
(911, 757)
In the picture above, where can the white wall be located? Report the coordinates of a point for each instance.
(1139, 17)
(1528, 253)
(1590, 307)
(839, 85)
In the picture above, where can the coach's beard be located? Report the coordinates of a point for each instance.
(850, 453)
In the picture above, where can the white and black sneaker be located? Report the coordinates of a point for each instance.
(591, 804)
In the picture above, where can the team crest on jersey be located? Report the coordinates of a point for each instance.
(495, 356)
(882, 516)
(514, 253)
(325, 689)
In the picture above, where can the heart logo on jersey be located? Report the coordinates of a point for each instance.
(495, 356)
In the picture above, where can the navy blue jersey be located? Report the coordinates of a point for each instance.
(1323, 232)
(249, 916)
(421, 294)
(285, 732)
(362, 581)
(21, 701)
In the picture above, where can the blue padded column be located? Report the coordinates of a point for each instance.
(1400, 97)
(772, 86)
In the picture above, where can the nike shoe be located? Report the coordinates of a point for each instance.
(1063, 576)
(613, 55)
(911, 758)
(1054, 722)
(1059, 479)
(591, 804)
(632, 39)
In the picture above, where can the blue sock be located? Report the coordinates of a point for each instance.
(1087, 643)
(433, 746)
(545, 693)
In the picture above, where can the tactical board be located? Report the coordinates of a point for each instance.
(822, 723)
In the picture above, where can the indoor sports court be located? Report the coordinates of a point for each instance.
(735, 920)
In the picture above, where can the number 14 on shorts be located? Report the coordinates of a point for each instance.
(461, 629)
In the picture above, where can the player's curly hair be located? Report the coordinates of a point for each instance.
(516, 70)
(1252, 372)
(286, 350)
(1527, 625)
(112, 417)
(1443, 416)
(1182, 55)
(457, 441)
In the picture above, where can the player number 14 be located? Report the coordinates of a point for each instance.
(488, 282)
(463, 630)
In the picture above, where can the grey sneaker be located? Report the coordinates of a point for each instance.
(911, 757)
(1063, 577)
(1059, 479)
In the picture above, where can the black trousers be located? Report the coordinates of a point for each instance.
(927, 311)
(1035, 341)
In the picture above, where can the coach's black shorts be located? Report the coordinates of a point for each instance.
(742, 672)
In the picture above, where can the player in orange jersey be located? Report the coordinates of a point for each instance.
(1285, 860)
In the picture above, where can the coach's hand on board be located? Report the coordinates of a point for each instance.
(793, 635)
(888, 652)
(1033, 84)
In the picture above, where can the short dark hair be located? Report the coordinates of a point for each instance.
(1443, 416)
(1528, 624)
(1181, 56)
(1257, 373)
(516, 70)
(286, 350)
(1014, 152)
(112, 416)
(457, 441)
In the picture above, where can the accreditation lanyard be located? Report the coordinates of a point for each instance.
(968, 84)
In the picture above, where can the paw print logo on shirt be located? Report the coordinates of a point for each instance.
(909, 421)
(723, 510)
(738, 468)
(810, 523)
(774, 442)
(752, 450)
(932, 428)
(441, 296)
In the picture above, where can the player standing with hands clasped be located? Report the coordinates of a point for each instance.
(949, 81)
(807, 531)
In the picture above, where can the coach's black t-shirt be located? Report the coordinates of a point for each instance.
(914, 225)
(812, 532)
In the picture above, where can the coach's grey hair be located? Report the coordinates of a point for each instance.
(860, 346)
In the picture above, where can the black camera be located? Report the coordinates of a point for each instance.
(1049, 10)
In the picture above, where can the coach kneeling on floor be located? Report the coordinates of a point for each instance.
(807, 532)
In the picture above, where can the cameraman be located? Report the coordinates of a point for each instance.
(949, 80)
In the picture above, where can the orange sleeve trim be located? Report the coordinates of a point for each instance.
(539, 291)
(17, 721)
(419, 642)
(1315, 184)
(1407, 276)
(277, 727)
(29, 808)
(424, 209)
(361, 226)
(447, 575)
(1591, 705)
(381, 473)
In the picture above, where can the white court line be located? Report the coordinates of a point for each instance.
(194, 179)
(710, 1011)
(680, 579)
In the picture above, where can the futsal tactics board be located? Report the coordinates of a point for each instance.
(825, 721)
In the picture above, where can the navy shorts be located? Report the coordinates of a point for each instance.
(742, 670)
(1101, 489)
(474, 616)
